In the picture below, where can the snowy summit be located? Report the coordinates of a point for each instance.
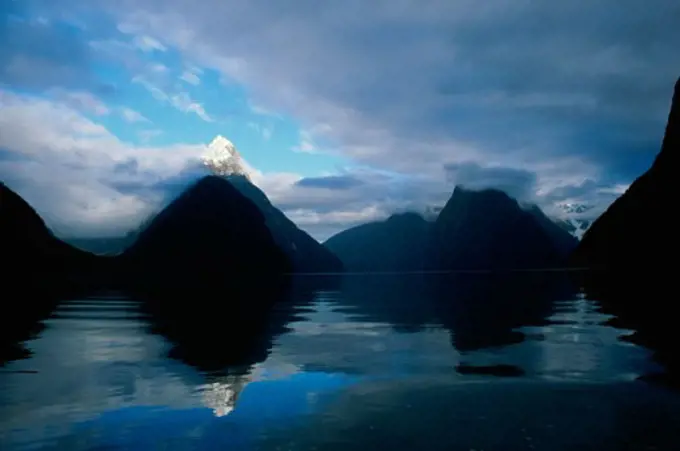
(223, 159)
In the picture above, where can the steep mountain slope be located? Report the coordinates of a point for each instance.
(639, 229)
(304, 252)
(38, 270)
(489, 230)
(210, 232)
(397, 244)
(29, 248)
(565, 243)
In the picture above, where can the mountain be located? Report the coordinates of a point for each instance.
(396, 244)
(565, 243)
(29, 248)
(639, 229)
(38, 270)
(223, 159)
(305, 253)
(211, 232)
(576, 227)
(575, 219)
(570, 208)
(480, 230)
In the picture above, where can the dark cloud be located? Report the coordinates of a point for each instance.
(333, 182)
(409, 86)
(518, 183)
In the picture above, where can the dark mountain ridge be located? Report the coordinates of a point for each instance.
(489, 230)
(476, 230)
(304, 252)
(38, 270)
(639, 228)
(210, 230)
(396, 244)
(29, 247)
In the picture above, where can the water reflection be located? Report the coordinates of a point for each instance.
(379, 361)
(644, 303)
(222, 396)
(21, 320)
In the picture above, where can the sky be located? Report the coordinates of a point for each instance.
(348, 111)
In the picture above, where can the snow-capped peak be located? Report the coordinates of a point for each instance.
(575, 218)
(573, 208)
(223, 159)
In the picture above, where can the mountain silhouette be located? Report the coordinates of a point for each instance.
(29, 248)
(396, 244)
(488, 230)
(639, 228)
(305, 253)
(211, 232)
(39, 270)
(565, 243)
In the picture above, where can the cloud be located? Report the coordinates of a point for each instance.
(148, 44)
(69, 167)
(84, 181)
(306, 144)
(265, 131)
(518, 183)
(531, 84)
(82, 101)
(552, 101)
(333, 182)
(130, 115)
(147, 135)
(179, 99)
(326, 205)
(191, 78)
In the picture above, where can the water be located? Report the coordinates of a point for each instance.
(393, 362)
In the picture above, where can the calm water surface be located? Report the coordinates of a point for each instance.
(396, 362)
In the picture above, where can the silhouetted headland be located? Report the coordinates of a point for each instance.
(639, 229)
(631, 248)
(38, 271)
(31, 251)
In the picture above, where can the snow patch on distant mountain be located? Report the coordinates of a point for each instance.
(570, 208)
(574, 218)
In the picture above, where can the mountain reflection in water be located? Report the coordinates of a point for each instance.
(440, 362)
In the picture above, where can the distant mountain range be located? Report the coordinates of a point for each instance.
(575, 218)
(476, 230)
(224, 225)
